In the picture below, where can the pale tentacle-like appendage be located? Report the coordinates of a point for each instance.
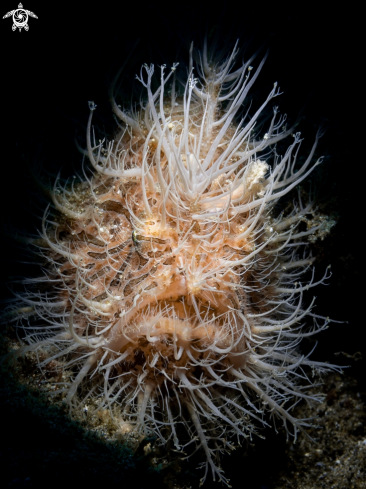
(175, 294)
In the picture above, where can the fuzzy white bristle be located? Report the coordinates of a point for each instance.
(175, 293)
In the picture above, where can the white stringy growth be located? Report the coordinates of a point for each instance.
(175, 296)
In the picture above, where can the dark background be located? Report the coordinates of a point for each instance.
(69, 56)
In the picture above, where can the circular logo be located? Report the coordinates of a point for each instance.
(20, 17)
